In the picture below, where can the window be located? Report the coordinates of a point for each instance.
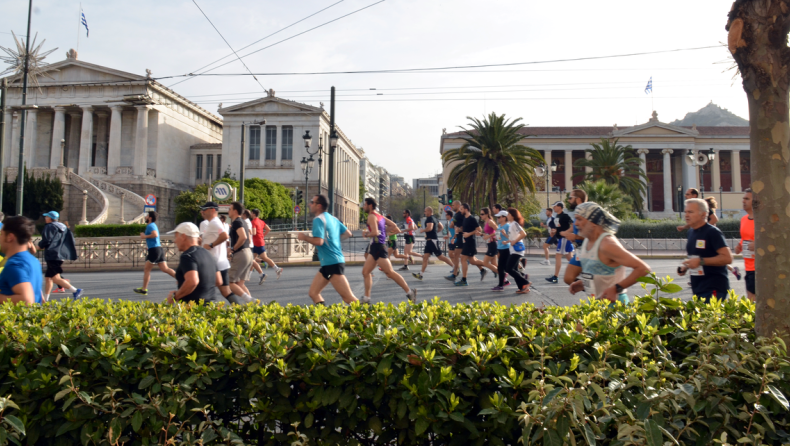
(255, 142)
(219, 167)
(288, 142)
(209, 166)
(199, 167)
(271, 142)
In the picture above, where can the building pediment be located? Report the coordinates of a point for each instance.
(73, 71)
(270, 105)
(654, 127)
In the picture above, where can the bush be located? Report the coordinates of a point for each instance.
(121, 372)
(109, 230)
(668, 228)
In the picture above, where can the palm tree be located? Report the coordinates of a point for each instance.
(608, 196)
(615, 164)
(492, 160)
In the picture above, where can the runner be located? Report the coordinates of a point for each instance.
(690, 193)
(20, 280)
(489, 235)
(458, 222)
(156, 255)
(377, 230)
(215, 240)
(328, 232)
(196, 275)
(259, 232)
(408, 241)
(247, 218)
(551, 240)
(392, 242)
(564, 247)
(604, 260)
(574, 268)
(241, 256)
(746, 246)
(713, 220)
(515, 234)
(431, 242)
(58, 245)
(503, 247)
(449, 237)
(469, 230)
(708, 254)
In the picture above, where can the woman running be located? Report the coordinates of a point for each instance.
(489, 235)
(392, 241)
(515, 235)
(504, 251)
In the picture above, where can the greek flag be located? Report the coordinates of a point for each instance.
(85, 23)
(648, 89)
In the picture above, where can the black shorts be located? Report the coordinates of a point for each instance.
(432, 247)
(338, 269)
(224, 275)
(54, 267)
(492, 249)
(470, 247)
(749, 279)
(551, 240)
(408, 239)
(392, 244)
(459, 241)
(367, 249)
(451, 246)
(155, 255)
(378, 251)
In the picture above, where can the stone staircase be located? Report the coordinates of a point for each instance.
(118, 197)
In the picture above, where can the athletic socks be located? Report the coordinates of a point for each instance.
(71, 289)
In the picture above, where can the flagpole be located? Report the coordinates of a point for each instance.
(79, 22)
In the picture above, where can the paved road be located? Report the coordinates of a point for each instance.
(292, 287)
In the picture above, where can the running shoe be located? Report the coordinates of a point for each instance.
(365, 300)
(412, 295)
(736, 272)
(552, 279)
(279, 273)
(417, 276)
(451, 277)
(404, 268)
(498, 289)
(263, 278)
(483, 273)
(142, 291)
(461, 283)
(77, 294)
(545, 262)
(59, 290)
(507, 282)
(523, 290)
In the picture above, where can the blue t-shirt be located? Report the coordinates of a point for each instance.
(152, 242)
(502, 238)
(327, 227)
(19, 268)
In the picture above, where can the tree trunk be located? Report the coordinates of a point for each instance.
(758, 31)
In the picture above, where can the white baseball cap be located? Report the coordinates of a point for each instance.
(188, 229)
(501, 213)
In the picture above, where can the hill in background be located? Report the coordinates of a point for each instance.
(711, 115)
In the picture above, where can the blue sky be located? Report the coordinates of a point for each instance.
(400, 128)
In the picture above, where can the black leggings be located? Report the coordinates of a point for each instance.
(512, 269)
(504, 254)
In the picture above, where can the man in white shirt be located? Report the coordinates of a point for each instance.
(214, 239)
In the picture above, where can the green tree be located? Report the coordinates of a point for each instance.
(615, 164)
(609, 197)
(273, 199)
(492, 160)
(40, 195)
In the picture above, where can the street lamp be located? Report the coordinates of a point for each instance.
(680, 201)
(307, 167)
(542, 171)
(62, 151)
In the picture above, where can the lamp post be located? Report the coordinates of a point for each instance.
(711, 157)
(307, 167)
(62, 152)
(542, 171)
(721, 202)
(680, 201)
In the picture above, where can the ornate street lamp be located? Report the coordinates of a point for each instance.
(307, 167)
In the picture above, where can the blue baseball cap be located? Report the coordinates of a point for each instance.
(52, 214)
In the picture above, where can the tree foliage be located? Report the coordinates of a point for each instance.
(618, 165)
(609, 197)
(414, 203)
(273, 199)
(492, 161)
(40, 195)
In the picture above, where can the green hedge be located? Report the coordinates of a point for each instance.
(668, 228)
(134, 373)
(109, 230)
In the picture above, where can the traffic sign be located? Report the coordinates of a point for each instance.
(224, 209)
(221, 191)
(297, 209)
(150, 200)
(448, 208)
(147, 208)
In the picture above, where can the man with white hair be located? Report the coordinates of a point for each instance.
(708, 254)
(602, 258)
(197, 274)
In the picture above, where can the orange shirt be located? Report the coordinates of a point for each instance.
(747, 235)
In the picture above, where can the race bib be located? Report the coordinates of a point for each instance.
(701, 244)
(698, 271)
(587, 281)
(748, 251)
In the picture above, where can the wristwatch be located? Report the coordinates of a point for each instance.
(618, 288)
(211, 245)
(701, 261)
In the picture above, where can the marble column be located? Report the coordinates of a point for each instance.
(58, 133)
(73, 143)
(588, 155)
(31, 132)
(736, 171)
(715, 170)
(667, 180)
(690, 172)
(278, 154)
(568, 169)
(86, 140)
(114, 147)
(548, 176)
(643, 164)
(141, 141)
(100, 159)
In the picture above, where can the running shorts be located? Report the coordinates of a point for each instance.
(54, 267)
(749, 279)
(378, 251)
(470, 247)
(392, 244)
(451, 246)
(338, 269)
(492, 250)
(432, 247)
(574, 260)
(408, 239)
(258, 250)
(459, 241)
(564, 246)
(155, 255)
(224, 274)
(551, 240)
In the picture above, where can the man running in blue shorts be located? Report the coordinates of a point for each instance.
(577, 197)
(564, 246)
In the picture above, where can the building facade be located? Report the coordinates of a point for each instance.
(431, 183)
(120, 128)
(369, 176)
(664, 150)
(273, 150)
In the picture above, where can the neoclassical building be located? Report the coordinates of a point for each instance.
(664, 150)
(118, 128)
(274, 150)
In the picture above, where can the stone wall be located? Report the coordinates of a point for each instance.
(72, 206)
